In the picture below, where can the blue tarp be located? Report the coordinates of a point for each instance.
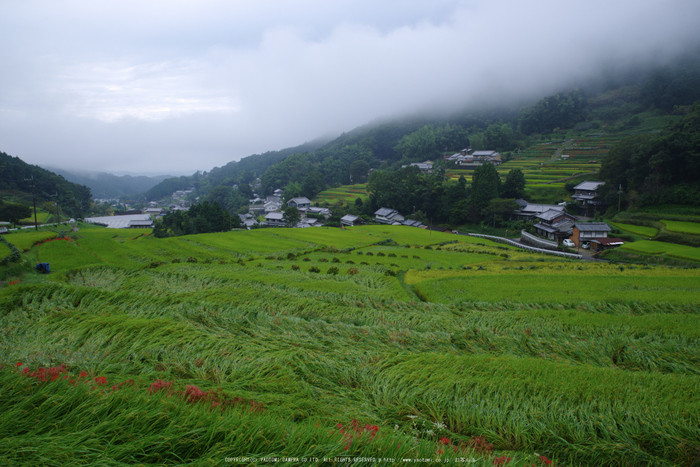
(43, 267)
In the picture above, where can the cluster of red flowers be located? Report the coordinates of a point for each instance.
(480, 445)
(502, 460)
(193, 395)
(68, 239)
(44, 374)
(545, 461)
(160, 385)
(356, 429)
(13, 282)
(445, 442)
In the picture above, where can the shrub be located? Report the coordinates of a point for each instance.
(360, 253)
(322, 260)
(392, 255)
(314, 269)
(381, 254)
(349, 262)
(365, 263)
(191, 260)
(269, 257)
(369, 253)
(332, 270)
(295, 267)
(416, 257)
(291, 256)
(176, 260)
(390, 272)
(353, 271)
(335, 260)
(306, 259)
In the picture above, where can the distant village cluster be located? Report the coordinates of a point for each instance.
(552, 225)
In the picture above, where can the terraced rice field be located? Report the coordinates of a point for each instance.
(649, 232)
(692, 228)
(663, 248)
(347, 194)
(379, 345)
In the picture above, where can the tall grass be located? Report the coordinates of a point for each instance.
(606, 375)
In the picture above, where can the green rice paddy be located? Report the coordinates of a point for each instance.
(669, 249)
(692, 228)
(362, 346)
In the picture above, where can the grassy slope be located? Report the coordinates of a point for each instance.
(587, 366)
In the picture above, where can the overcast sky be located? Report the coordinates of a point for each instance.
(184, 85)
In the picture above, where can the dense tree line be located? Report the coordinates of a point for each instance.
(74, 199)
(200, 218)
(557, 111)
(651, 168)
(434, 199)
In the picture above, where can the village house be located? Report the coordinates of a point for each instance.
(530, 211)
(554, 224)
(388, 216)
(349, 220)
(425, 167)
(299, 203)
(588, 201)
(317, 211)
(308, 222)
(274, 219)
(153, 211)
(583, 232)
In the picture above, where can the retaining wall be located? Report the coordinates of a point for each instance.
(526, 247)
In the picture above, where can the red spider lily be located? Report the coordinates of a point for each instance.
(503, 460)
(159, 385)
(13, 283)
(445, 441)
(101, 380)
(19, 364)
(83, 374)
(545, 460)
(43, 374)
(194, 394)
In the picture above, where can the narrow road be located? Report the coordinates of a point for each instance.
(566, 145)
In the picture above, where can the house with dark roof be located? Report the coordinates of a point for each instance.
(274, 219)
(530, 211)
(555, 225)
(425, 167)
(412, 223)
(589, 231)
(587, 199)
(299, 203)
(349, 220)
(388, 216)
(318, 211)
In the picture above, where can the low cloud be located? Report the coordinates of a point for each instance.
(181, 86)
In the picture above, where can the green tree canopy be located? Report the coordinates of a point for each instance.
(486, 185)
(514, 186)
(291, 216)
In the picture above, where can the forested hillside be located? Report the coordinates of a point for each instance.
(617, 107)
(74, 199)
(106, 185)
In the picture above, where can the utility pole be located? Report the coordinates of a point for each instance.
(36, 227)
(619, 196)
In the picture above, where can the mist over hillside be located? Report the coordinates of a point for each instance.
(107, 185)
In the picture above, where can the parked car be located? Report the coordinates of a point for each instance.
(569, 243)
(586, 245)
